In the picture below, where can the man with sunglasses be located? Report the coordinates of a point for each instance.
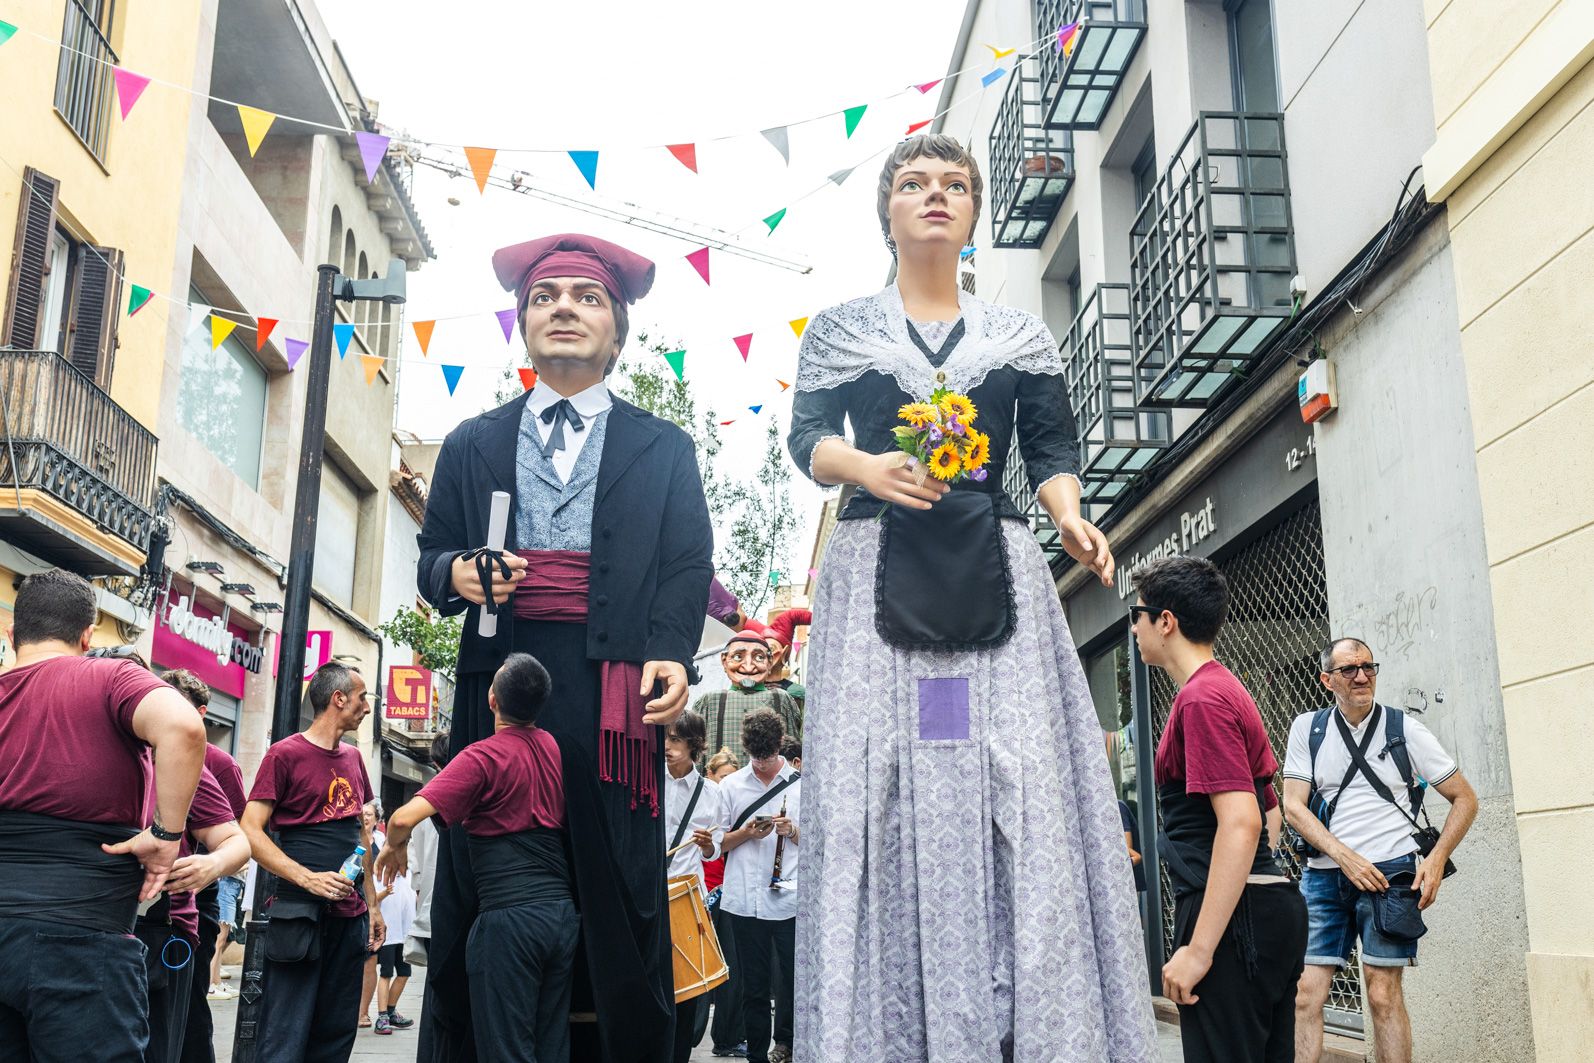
(1367, 844)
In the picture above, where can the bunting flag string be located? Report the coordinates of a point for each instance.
(6, 30)
(744, 344)
(372, 364)
(451, 375)
(263, 327)
(506, 321)
(587, 163)
(757, 409)
(783, 384)
(685, 154)
(1065, 38)
(854, 115)
(423, 333)
(677, 360)
(777, 137)
(916, 126)
(840, 176)
(255, 122)
(775, 219)
(928, 85)
(343, 333)
(220, 329)
(528, 378)
(294, 349)
(373, 149)
(138, 298)
(798, 324)
(993, 77)
(998, 54)
(129, 87)
(481, 165)
(699, 261)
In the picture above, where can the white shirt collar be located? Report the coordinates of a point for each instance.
(689, 779)
(588, 402)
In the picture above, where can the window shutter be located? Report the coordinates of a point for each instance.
(30, 261)
(91, 329)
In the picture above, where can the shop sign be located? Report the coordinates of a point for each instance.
(409, 692)
(188, 635)
(317, 651)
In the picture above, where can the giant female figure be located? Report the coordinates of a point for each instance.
(966, 897)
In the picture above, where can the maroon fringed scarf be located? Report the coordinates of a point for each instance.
(555, 589)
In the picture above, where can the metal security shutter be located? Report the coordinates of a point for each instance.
(91, 328)
(30, 261)
(1278, 620)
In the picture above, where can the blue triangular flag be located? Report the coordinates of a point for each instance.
(757, 408)
(343, 333)
(587, 163)
(451, 375)
(993, 77)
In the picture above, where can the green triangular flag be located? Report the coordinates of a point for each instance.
(677, 360)
(854, 115)
(6, 30)
(775, 219)
(137, 298)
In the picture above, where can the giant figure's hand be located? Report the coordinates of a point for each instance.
(468, 585)
(667, 707)
(1086, 544)
(897, 478)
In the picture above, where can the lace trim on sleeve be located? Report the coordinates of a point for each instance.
(812, 450)
(1058, 475)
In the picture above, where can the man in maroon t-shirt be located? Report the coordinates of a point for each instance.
(309, 789)
(1239, 923)
(74, 736)
(507, 791)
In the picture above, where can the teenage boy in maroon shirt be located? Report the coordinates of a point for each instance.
(309, 789)
(74, 738)
(1239, 923)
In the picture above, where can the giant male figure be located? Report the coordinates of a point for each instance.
(605, 579)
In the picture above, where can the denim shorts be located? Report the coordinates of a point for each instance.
(228, 890)
(1337, 912)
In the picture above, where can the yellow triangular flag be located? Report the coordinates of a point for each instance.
(255, 122)
(1000, 53)
(372, 364)
(797, 326)
(220, 329)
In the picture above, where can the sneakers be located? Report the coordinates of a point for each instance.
(382, 1025)
(399, 1022)
(734, 1050)
(220, 992)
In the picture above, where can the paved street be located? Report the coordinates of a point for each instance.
(400, 1045)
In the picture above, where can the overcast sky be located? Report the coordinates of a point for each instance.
(623, 78)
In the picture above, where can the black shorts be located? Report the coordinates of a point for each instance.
(390, 961)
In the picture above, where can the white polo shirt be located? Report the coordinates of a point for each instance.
(1364, 821)
(749, 866)
(706, 815)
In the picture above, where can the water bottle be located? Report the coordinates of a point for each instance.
(351, 868)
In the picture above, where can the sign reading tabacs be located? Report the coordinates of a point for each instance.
(409, 692)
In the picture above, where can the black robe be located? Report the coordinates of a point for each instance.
(651, 563)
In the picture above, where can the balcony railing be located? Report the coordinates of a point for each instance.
(65, 437)
(1032, 167)
(1214, 254)
(1015, 481)
(1119, 438)
(83, 83)
(1079, 84)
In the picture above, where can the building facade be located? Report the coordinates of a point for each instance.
(1200, 199)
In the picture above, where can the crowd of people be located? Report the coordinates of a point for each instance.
(952, 880)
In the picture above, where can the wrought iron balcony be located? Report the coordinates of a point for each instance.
(83, 80)
(1214, 254)
(1015, 481)
(77, 472)
(1079, 84)
(1032, 167)
(1119, 438)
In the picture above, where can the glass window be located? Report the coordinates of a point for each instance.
(221, 399)
(337, 527)
(221, 721)
(1256, 82)
(58, 282)
(1144, 172)
(1075, 295)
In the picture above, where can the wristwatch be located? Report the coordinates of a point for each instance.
(162, 834)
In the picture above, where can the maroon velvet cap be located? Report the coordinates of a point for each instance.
(626, 274)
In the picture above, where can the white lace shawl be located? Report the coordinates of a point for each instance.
(844, 342)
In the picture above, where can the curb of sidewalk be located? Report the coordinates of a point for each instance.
(1336, 1048)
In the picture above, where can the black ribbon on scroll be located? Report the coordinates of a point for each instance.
(485, 559)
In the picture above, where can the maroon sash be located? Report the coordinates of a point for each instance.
(555, 590)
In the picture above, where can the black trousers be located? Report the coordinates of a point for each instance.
(763, 945)
(169, 992)
(199, 1034)
(69, 994)
(687, 1034)
(1246, 1013)
(520, 961)
(310, 1010)
(729, 1031)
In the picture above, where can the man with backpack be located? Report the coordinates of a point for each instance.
(1355, 775)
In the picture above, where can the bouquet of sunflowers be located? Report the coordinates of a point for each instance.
(941, 436)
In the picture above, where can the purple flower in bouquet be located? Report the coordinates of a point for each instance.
(978, 475)
(957, 427)
(936, 435)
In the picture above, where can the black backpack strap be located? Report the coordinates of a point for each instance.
(764, 800)
(1395, 746)
(1327, 815)
(1314, 741)
(1358, 758)
(686, 817)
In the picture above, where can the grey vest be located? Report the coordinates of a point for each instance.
(550, 515)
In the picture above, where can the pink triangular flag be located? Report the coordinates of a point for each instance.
(506, 320)
(744, 344)
(129, 87)
(699, 261)
(928, 85)
(685, 154)
(373, 146)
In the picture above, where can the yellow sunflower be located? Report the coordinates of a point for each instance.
(979, 451)
(945, 463)
(918, 414)
(960, 407)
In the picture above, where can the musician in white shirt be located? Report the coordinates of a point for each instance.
(693, 813)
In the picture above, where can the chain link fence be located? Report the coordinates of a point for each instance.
(1278, 620)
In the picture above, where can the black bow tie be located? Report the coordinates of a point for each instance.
(558, 415)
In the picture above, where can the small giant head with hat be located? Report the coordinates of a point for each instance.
(572, 293)
(745, 657)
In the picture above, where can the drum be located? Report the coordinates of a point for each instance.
(699, 963)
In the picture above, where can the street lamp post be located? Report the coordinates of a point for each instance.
(331, 286)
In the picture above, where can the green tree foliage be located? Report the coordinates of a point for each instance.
(433, 637)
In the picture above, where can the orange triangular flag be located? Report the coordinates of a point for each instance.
(528, 378)
(481, 164)
(782, 383)
(372, 364)
(255, 123)
(263, 327)
(423, 333)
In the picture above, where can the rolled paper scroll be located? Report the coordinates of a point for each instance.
(497, 528)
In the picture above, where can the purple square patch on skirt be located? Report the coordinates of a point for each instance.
(944, 709)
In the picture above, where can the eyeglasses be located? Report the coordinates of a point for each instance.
(1350, 670)
(1151, 614)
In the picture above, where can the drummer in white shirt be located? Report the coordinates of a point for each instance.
(693, 812)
